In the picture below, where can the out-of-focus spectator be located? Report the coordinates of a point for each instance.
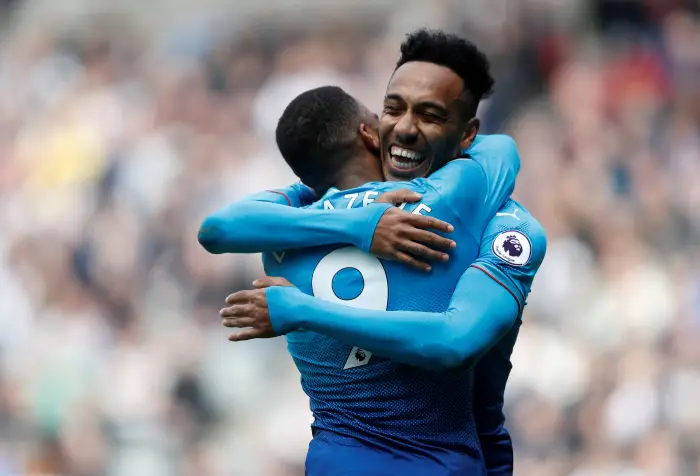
(120, 130)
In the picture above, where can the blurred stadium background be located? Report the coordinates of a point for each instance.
(123, 123)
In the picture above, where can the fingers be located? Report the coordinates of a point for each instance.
(267, 281)
(247, 334)
(399, 196)
(262, 283)
(426, 222)
(248, 309)
(422, 252)
(240, 297)
(430, 239)
(237, 310)
(239, 322)
(409, 260)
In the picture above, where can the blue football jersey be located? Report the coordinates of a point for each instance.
(511, 251)
(359, 395)
(322, 271)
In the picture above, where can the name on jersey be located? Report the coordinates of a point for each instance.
(366, 198)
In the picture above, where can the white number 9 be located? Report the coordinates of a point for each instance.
(375, 291)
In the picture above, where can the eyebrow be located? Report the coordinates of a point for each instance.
(430, 104)
(393, 97)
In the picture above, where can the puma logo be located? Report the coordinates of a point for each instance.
(502, 214)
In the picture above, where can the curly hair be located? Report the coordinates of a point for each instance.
(453, 52)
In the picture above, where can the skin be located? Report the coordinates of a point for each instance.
(395, 237)
(427, 111)
(362, 165)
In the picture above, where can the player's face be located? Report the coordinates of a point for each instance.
(423, 123)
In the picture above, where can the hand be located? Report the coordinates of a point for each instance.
(402, 236)
(267, 281)
(397, 197)
(248, 309)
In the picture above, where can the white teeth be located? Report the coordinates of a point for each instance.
(403, 164)
(405, 153)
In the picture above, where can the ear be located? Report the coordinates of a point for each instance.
(470, 133)
(370, 137)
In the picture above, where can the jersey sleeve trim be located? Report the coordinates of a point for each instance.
(289, 202)
(517, 301)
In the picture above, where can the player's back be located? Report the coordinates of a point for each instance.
(356, 395)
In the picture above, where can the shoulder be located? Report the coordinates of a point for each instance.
(303, 193)
(489, 166)
(497, 154)
(515, 237)
(498, 143)
(456, 175)
(294, 195)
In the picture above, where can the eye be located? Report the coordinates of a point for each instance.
(430, 117)
(391, 109)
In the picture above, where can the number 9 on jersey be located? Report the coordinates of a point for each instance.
(374, 294)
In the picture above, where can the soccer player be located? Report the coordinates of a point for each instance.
(511, 248)
(494, 259)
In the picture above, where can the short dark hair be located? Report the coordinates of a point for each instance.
(453, 52)
(316, 130)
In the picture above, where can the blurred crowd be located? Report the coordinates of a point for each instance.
(118, 135)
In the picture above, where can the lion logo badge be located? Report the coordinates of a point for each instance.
(513, 247)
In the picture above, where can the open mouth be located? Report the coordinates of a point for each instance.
(405, 160)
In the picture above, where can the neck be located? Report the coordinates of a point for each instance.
(353, 179)
(360, 168)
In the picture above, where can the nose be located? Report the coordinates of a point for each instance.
(406, 130)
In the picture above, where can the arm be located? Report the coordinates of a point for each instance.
(498, 156)
(480, 312)
(486, 303)
(270, 221)
(477, 186)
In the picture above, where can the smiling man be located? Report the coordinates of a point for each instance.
(429, 109)
(408, 409)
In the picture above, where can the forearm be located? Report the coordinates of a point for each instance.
(253, 226)
(389, 334)
(456, 337)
